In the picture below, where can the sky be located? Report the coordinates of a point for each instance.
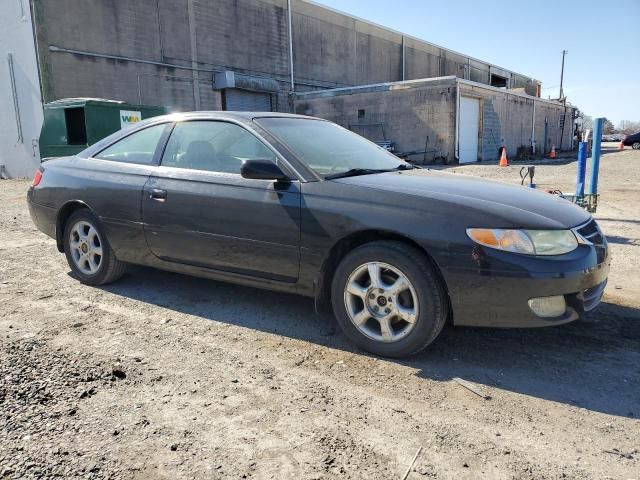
(602, 68)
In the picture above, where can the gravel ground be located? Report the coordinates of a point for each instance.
(167, 376)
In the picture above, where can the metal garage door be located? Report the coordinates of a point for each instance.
(468, 136)
(245, 101)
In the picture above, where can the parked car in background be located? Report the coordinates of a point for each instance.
(299, 204)
(632, 141)
(613, 137)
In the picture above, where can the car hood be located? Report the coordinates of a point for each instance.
(512, 206)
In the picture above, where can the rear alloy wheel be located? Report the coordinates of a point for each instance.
(88, 251)
(86, 247)
(636, 146)
(388, 299)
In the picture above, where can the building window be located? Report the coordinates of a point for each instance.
(498, 81)
(361, 114)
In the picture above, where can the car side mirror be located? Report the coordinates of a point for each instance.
(262, 170)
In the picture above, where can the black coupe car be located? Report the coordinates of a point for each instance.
(299, 204)
(632, 141)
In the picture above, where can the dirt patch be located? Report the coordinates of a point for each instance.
(166, 376)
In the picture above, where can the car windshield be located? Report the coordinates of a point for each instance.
(329, 149)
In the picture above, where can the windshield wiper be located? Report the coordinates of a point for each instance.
(355, 172)
(369, 171)
(406, 166)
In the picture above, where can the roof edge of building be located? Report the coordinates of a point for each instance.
(449, 80)
(374, 87)
(412, 37)
(471, 83)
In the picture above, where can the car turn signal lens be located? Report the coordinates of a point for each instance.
(508, 240)
(37, 177)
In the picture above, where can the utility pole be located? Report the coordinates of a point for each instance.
(564, 52)
(290, 27)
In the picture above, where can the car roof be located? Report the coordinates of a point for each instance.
(243, 117)
(229, 115)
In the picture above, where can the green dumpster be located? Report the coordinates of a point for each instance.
(72, 124)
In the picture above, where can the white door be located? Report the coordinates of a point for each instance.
(468, 136)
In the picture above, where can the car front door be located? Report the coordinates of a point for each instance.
(199, 210)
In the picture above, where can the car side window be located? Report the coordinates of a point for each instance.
(137, 148)
(213, 146)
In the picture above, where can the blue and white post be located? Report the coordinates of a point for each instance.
(595, 154)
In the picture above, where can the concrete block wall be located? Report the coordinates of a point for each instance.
(414, 110)
(507, 119)
(491, 130)
(410, 114)
(561, 138)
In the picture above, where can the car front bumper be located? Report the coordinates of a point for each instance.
(494, 296)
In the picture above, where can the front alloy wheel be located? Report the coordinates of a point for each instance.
(388, 298)
(381, 302)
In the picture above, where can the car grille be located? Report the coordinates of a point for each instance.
(591, 296)
(591, 232)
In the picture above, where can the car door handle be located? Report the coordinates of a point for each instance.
(158, 195)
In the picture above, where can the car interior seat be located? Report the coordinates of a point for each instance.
(200, 155)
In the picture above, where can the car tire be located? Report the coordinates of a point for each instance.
(88, 251)
(636, 146)
(399, 313)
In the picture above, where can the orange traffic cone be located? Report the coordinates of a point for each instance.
(553, 151)
(621, 146)
(503, 158)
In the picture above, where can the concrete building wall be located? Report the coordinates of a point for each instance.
(165, 51)
(556, 135)
(336, 50)
(411, 114)
(246, 36)
(19, 130)
(510, 120)
(411, 111)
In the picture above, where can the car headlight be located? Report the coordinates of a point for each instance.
(528, 242)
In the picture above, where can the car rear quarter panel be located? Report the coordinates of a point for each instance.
(111, 190)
